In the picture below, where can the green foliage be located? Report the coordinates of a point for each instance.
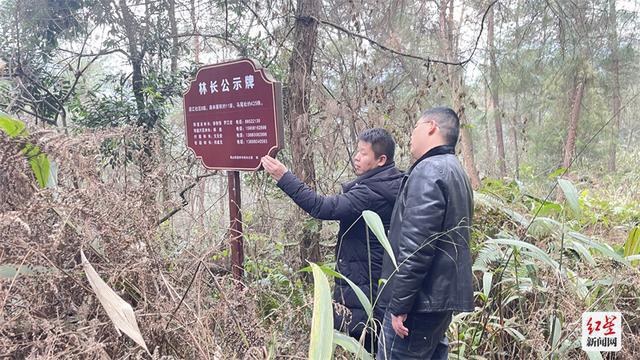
(12, 127)
(46, 47)
(487, 278)
(105, 105)
(632, 245)
(110, 101)
(608, 208)
(9, 271)
(510, 291)
(278, 282)
(604, 249)
(555, 330)
(571, 195)
(529, 249)
(321, 344)
(366, 304)
(375, 224)
(38, 161)
(351, 345)
(59, 19)
(322, 332)
(507, 191)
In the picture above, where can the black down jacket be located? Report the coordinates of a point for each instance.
(429, 235)
(375, 190)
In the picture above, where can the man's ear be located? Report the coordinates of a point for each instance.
(382, 160)
(432, 128)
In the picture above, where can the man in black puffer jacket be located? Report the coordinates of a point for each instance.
(374, 189)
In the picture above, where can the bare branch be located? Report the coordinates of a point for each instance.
(185, 202)
(427, 60)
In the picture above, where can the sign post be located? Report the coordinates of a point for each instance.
(233, 117)
(235, 232)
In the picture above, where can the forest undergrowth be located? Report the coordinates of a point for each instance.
(109, 196)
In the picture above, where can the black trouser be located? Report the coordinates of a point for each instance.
(426, 340)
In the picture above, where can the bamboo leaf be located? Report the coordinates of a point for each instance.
(351, 345)
(321, 346)
(366, 303)
(487, 278)
(533, 250)
(11, 126)
(604, 249)
(632, 245)
(580, 284)
(557, 330)
(566, 346)
(39, 164)
(594, 355)
(543, 226)
(37, 159)
(571, 194)
(517, 335)
(375, 224)
(582, 251)
(633, 258)
(118, 310)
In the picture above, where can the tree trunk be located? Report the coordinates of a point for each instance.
(456, 81)
(196, 37)
(465, 138)
(489, 160)
(173, 26)
(135, 58)
(495, 88)
(514, 135)
(570, 144)
(300, 66)
(174, 35)
(615, 86)
(147, 117)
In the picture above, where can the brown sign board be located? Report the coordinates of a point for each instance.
(233, 115)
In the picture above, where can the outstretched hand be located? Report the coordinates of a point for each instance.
(274, 167)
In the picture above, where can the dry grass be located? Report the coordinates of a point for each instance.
(186, 304)
(108, 201)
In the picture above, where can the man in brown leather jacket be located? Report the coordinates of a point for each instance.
(430, 233)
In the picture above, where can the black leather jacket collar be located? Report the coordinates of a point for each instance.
(438, 150)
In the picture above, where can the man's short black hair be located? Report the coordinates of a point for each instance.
(447, 121)
(381, 142)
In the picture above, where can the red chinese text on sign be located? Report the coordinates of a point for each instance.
(233, 115)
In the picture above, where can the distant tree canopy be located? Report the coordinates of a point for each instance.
(100, 63)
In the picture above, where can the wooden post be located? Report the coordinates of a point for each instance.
(235, 231)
